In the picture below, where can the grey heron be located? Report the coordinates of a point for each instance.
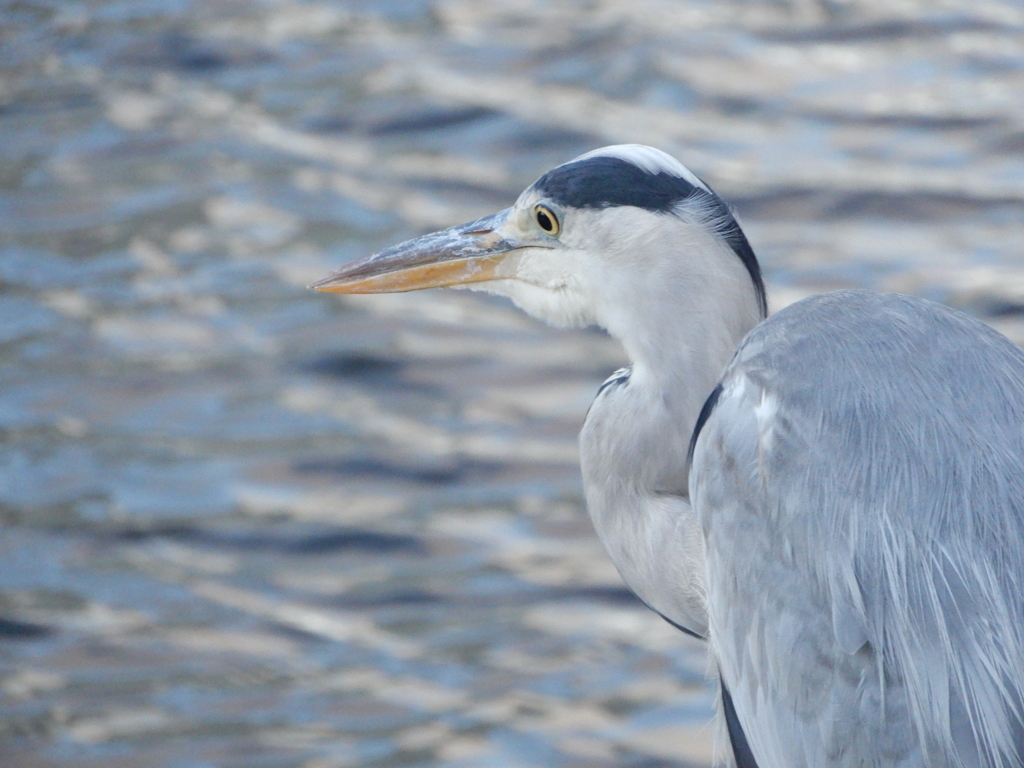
(833, 497)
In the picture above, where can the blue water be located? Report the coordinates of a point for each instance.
(250, 525)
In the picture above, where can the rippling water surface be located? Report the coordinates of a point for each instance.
(249, 525)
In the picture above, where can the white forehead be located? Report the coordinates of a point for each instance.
(649, 159)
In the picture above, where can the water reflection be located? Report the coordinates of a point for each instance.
(249, 525)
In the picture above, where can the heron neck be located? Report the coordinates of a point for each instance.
(680, 338)
(634, 442)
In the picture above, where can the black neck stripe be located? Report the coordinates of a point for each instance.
(702, 418)
(737, 738)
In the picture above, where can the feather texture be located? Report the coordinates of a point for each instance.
(860, 489)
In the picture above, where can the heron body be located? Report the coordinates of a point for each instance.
(842, 518)
(860, 490)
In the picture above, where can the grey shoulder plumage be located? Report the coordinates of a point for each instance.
(867, 426)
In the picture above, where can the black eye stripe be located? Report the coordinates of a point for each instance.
(607, 182)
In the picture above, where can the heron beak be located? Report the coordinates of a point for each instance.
(469, 253)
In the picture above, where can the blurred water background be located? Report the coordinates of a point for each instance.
(249, 525)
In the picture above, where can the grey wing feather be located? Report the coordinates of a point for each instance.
(860, 487)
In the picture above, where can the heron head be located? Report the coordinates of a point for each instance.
(609, 230)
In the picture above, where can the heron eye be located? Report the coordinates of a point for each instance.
(546, 220)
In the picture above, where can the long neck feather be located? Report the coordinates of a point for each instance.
(680, 325)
